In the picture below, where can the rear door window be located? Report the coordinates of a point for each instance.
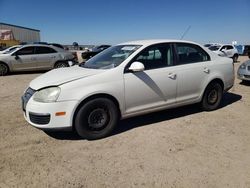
(190, 53)
(44, 50)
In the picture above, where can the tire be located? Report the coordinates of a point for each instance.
(212, 97)
(4, 69)
(235, 58)
(96, 119)
(61, 65)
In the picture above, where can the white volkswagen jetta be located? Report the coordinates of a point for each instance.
(127, 80)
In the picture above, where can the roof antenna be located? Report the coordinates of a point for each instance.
(183, 35)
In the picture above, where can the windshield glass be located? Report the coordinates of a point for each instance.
(208, 45)
(111, 57)
(9, 50)
(214, 48)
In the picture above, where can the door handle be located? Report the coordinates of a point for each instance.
(172, 75)
(206, 70)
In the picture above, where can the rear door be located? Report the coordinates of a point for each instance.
(192, 71)
(45, 57)
(24, 59)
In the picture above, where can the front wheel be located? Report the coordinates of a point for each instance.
(61, 65)
(96, 119)
(212, 97)
(235, 58)
(4, 69)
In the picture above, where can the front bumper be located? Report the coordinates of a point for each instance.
(43, 115)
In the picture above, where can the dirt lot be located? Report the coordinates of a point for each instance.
(184, 147)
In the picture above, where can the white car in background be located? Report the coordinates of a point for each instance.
(226, 50)
(33, 57)
(127, 80)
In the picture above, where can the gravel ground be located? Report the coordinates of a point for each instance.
(183, 147)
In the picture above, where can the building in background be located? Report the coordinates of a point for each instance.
(13, 34)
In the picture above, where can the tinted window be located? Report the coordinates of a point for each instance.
(156, 56)
(223, 48)
(110, 58)
(190, 53)
(26, 51)
(229, 48)
(214, 48)
(44, 50)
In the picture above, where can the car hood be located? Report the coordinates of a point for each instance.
(4, 55)
(62, 75)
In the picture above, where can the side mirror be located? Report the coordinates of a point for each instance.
(136, 67)
(16, 57)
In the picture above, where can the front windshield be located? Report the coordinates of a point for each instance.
(214, 48)
(208, 45)
(111, 57)
(9, 50)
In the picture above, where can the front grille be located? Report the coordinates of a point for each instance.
(40, 119)
(248, 68)
(26, 97)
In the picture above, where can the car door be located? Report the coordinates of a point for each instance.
(223, 51)
(192, 71)
(156, 85)
(24, 59)
(45, 57)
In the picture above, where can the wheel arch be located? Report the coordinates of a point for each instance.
(59, 61)
(91, 97)
(217, 79)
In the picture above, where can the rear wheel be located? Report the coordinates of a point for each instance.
(212, 97)
(96, 119)
(61, 65)
(235, 58)
(4, 69)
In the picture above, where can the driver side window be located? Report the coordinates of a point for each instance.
(26, 51)
(156, 56)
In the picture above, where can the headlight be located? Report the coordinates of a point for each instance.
(47, 95)
(243, 66)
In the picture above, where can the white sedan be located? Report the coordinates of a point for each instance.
(127, 80)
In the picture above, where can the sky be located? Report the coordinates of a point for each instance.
(114, 21)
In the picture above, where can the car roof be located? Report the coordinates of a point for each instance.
(155, 41)
(44, 45)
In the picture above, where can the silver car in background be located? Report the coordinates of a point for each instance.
(244, 71)
(34, 57)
